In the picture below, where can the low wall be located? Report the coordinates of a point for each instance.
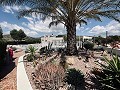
(114, 51)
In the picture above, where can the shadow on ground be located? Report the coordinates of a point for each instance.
(6, 69)
(91, 82)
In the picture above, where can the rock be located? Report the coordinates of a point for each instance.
(70, 60)
(37, 55)
(87, 66)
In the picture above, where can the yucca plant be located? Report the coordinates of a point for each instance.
(31, 49)
(48, 49)
(109, 77)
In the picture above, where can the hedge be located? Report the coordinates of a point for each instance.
(21, 42)
(88, 45)
(3, 45)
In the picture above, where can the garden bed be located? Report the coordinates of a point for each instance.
(29, 67)
(54, 61)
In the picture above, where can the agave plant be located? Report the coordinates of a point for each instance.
(31, 50)
(110, 76)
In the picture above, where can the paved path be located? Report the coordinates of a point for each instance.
(8, 74)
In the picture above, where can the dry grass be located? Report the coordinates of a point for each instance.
(48, 76)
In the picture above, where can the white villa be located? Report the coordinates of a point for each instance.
(85, 38)
(56, 41)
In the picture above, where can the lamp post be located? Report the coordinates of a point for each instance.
(94, 39)
(79, 42)
(106, 37)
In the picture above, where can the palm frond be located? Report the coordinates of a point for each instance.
(13, 2)
(54, 23)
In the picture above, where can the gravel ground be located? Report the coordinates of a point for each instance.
(8, 74)
(86, 68)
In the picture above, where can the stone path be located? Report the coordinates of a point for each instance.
(8, 74)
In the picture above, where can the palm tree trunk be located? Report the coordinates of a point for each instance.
(71, 40)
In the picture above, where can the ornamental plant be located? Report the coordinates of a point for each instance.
(109, 76)
(31, 50)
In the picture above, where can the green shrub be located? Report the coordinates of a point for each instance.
(30, 57)
(46, 50)
(109, 77)
(88, 45)
(43, 50)
(74, 77)
(3, 46)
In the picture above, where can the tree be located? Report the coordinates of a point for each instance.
(21, 34)
(14, 34)
(1, 33)
(65, 38)
(17, 35)
(99, 40)
(88, 45)
(70, 13)
(115, 38)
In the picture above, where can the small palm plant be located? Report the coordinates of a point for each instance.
(109, 77)
(31, 49)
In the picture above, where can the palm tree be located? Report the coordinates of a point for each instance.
(70, 13)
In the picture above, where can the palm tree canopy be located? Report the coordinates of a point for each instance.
(63, 11)
(70, 13)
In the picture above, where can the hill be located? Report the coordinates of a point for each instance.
(8, 37)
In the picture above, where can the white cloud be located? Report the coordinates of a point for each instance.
(113, 28)
(7, 26)
(12, 9)
(40, 26)
(32, 33)
(8, 9)
(34, 22)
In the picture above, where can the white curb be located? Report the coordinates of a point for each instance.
(22, 79)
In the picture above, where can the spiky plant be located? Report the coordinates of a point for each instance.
(109, 77)
(31, 50)
(70, 13)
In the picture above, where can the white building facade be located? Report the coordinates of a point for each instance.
(55, 41)
(58, 42)
(85, 38)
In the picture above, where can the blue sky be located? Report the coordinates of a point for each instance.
(33, 26)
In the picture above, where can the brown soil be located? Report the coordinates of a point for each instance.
(86, 67)
(8, 80)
